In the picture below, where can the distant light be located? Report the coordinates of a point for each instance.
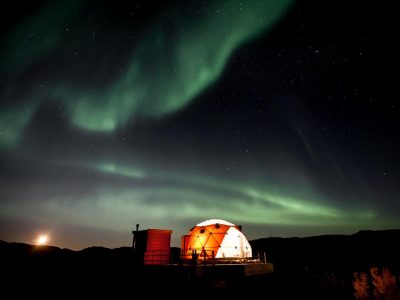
(42, 239)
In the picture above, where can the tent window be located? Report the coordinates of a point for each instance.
(217, 226)
(202, 230)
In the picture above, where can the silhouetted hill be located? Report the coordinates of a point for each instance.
(332, 253)
(318, 267)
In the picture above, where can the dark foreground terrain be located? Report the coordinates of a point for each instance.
(320, 267)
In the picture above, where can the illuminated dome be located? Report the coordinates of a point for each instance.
(215, 238)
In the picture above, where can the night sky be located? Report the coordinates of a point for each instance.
(279, 115)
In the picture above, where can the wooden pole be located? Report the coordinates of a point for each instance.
(134, 237)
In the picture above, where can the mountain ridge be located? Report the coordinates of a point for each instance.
(123, 248)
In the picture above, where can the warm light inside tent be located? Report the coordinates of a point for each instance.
(215, 239)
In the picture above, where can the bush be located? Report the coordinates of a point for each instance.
(361, 286)
(383, 287)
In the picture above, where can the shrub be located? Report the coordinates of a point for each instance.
(361, 286)
(384, 285)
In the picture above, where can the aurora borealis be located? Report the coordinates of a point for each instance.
(149, 83)
(277, 115)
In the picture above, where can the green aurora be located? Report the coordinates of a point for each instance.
(182, 197)
(259, 112)
(164, 73)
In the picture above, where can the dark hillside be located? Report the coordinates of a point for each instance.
(319, 267)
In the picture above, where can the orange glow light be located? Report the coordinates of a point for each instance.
(42, 239)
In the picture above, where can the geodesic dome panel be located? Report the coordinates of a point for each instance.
(215, 239)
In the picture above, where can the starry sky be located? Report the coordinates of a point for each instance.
(279, 115)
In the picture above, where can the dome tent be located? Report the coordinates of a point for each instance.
(215, 238)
